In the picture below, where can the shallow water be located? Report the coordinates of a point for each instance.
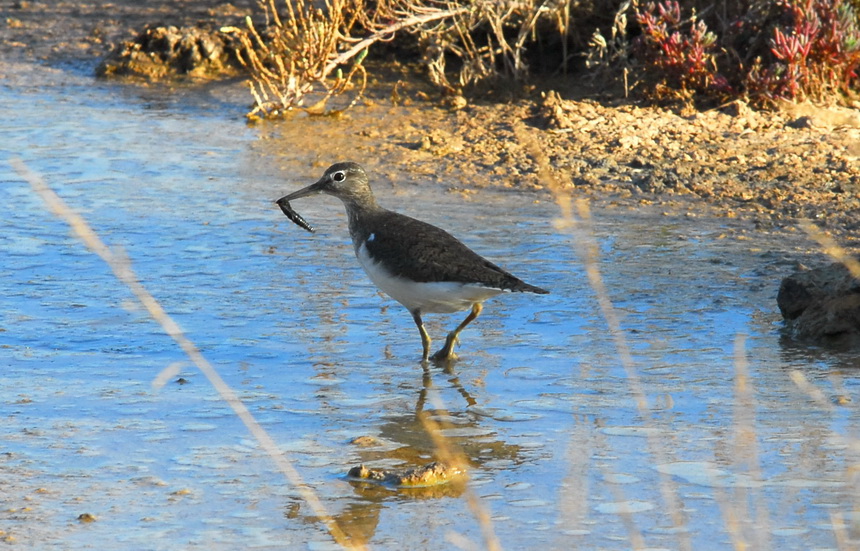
(540, 402)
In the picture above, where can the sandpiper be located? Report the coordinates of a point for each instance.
(422, 267)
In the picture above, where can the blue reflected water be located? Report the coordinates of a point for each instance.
(540, 402)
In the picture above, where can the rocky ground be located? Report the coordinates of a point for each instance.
(773, 168)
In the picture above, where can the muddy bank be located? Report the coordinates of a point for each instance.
(772, 169)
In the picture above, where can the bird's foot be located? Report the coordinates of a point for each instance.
(441, 357)
(446, 354)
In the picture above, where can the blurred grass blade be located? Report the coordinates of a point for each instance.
(121, 267)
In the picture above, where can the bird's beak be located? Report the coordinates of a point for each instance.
(312, 189)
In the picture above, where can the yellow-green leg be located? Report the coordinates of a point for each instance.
(446, 353)
(425, 338)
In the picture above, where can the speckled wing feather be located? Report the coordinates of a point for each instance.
(422, 252)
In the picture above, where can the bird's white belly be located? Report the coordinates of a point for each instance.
(441, 297)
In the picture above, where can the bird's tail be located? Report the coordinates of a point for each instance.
(520, 286)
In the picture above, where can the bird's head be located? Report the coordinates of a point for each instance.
(346, 181)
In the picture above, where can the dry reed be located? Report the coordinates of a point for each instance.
(453, 456)
(576, 219)
(745, 511)
(831, 248)
(121, 267)
(315, 53)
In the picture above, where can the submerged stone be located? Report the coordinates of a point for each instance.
(432, 474)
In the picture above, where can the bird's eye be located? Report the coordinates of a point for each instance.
(338, 176)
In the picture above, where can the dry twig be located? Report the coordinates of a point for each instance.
(314, 51)
(123, 271)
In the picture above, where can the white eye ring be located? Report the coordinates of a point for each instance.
(338, 176)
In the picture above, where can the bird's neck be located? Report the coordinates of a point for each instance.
(358, 211)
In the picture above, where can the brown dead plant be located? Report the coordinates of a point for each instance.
(491, 40)
(317, 52)
(313, 50)
(289, 59)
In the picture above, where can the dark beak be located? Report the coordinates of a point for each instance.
(312, 189)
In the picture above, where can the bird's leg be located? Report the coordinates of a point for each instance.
(425, 338)
(447, 351)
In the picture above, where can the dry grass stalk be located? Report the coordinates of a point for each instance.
(831, 248)
(576, 218)
(745, 454)
(634, 534)
(604, 57)
(491, 40)
(306, 53)
(121, 267)
(841, 531)
(288, 60)
(317, 52)
(455, 457)
(573, 496)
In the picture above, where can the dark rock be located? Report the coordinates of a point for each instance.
(821, 305)
(801, 122)
(161, 52)
(552, 111)
(649, 183)
(658, 181)
(640, 162)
